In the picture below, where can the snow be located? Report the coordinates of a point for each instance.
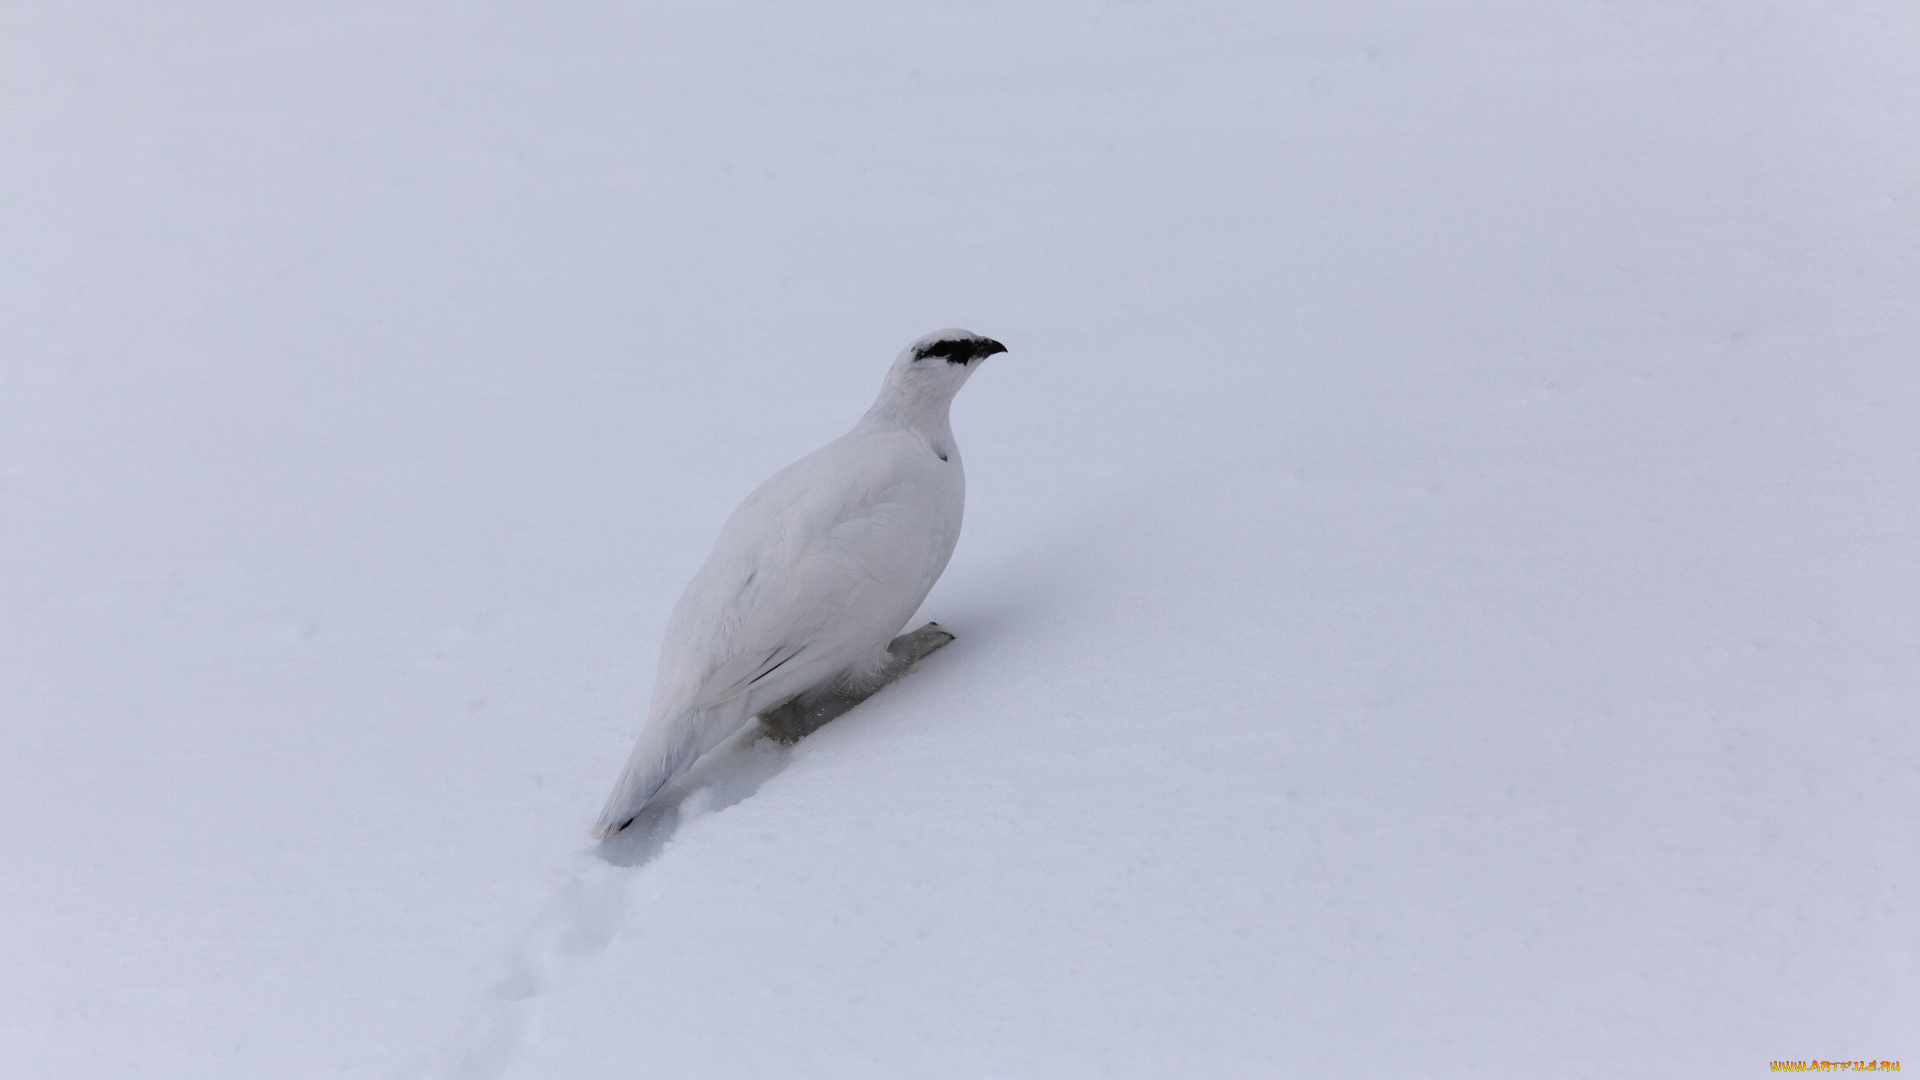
(1438, 596)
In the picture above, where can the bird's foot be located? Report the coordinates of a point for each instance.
(807, 713)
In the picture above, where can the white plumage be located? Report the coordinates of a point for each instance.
(814, 573)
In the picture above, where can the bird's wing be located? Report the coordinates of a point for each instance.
(738, 675)
(811, 559)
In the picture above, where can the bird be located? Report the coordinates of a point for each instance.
(814, 573)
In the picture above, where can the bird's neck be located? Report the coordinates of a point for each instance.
(914, 409)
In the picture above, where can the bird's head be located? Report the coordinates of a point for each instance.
(941, 361)
(952, 347)
(927, 373)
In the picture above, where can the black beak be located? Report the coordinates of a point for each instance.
(977, 349)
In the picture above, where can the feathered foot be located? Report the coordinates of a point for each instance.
(806, 714)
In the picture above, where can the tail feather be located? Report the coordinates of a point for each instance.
(639, 782)
(665, 750)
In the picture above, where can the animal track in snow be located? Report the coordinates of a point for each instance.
(595, 897)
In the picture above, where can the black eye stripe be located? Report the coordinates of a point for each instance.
(959, 350)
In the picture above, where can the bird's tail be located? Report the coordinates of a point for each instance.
(639, 782)
(665, 749)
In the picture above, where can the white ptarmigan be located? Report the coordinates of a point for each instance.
(813, 574)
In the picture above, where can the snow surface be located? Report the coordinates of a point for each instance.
(1439, 595)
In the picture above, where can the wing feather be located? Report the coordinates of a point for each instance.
(740, 674)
